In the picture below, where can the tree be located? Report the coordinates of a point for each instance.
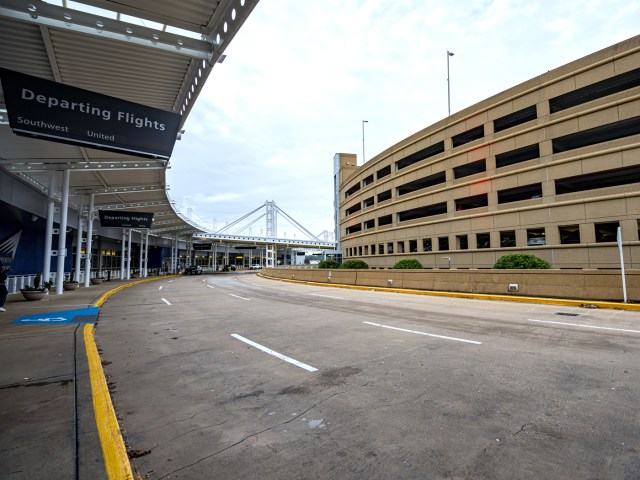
(354, 264)
(515, 261)
(408, 264)
(329, 264)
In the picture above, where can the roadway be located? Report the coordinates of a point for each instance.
(373, 385)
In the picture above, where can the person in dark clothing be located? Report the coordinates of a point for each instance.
(3, 287)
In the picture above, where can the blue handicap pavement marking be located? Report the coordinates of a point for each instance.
(82, 315)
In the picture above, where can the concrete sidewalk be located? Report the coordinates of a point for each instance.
(44, 388)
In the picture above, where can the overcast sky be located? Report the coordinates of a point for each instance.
(301, 75)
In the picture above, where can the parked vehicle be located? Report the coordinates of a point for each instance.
(193, 270)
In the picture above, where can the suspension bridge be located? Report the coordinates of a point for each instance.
(268, 215)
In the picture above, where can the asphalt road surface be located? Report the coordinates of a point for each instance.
(239, 377)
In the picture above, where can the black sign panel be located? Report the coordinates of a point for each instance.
(58, 112)
(120, 219)
(202, 246)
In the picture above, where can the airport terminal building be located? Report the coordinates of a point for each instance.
(549, 167)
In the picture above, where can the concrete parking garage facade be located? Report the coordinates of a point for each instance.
(549, 167)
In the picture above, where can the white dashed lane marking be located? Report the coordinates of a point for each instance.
(585, 326)
(292, 361)
(424, 333)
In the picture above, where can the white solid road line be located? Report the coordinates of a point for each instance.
(424, 333)
(211, 286)
(308, 368)
(237, 296)
(166, 301)
(585, 326)
(324, 296)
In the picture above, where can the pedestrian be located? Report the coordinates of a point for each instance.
(3, 287)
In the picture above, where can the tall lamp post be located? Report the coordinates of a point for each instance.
(449, 54)
(363, 122)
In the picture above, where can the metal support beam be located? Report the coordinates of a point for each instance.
(118, 190)
(119, 206)
(41, 13)
(46, 164)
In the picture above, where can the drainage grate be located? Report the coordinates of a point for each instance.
(567, 314)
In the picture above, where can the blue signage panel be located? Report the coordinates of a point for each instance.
(81, 315)
(62, 113)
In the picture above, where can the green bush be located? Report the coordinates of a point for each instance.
(354, 264)
(521, 260)
(408, 264)
(329, 264)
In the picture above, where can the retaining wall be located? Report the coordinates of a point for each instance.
(604, 285)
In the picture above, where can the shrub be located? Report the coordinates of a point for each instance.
(408, 264)
(354, 264)
(329, 264)
(521, 260)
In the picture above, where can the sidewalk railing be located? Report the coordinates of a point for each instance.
(17, 282)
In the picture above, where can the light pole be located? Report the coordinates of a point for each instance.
(363, 122)
(449, 54)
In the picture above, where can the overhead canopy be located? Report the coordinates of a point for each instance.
(157, 53)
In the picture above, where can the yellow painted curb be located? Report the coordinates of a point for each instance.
(477, 296)
(116, 460)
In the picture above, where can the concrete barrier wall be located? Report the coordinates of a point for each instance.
(605, 285)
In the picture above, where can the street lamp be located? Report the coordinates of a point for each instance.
(363, 122)
(449, 54)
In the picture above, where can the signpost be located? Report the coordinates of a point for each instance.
(61, 113)
(122, 219)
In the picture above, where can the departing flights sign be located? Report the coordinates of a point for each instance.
(61, 113)
(122, 219)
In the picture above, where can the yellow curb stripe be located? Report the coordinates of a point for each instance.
(116, 460)
(478, 296)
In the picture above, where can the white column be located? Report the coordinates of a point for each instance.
(145, 271)
(62, 237)
(76, 277)
(141, 253)
(174, 265)
(87, 258)
(49, 229)
(173, 253)
(146, 253)
(129, 255)
(123, 253)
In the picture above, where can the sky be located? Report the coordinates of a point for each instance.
(301, 75)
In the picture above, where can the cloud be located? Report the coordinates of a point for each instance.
(300, 76)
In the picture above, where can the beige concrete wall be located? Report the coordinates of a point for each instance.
(585, 208)
(588, 285)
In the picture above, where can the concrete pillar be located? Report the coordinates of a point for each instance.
(123, 253)
(46, 268)
(87, 259)
(76, 273)
(62, 237)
